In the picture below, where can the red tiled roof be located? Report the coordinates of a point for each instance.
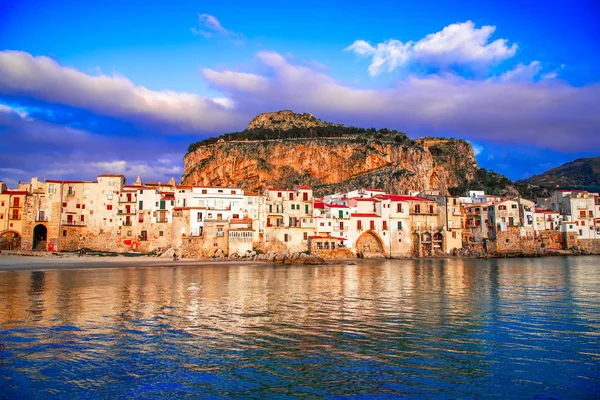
(319, 205)
(397, 197)
(364, 215)
(336, 206)
(374, 200)
(240, 220)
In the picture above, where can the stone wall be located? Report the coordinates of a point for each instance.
(510, 241)
(592, 245)
(550, 239)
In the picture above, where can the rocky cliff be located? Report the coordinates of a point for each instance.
(328, 157)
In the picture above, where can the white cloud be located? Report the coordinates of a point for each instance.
(550, 75)
(388, 55)
(235, 80)
(463, 44)
(456, 44)
(522, 72)
(211, 27)
(44, 79)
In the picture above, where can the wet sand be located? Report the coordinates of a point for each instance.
(31, 263)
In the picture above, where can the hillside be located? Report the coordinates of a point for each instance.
(581, 173)
(285, 149)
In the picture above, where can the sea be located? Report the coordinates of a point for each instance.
(432, 328)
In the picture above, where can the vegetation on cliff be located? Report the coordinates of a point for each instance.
(295, 133)
(491, 182)
(583, 173)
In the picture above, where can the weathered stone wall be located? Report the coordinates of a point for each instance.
(592, 245)
(569, 240)
(510, 241)
(550, 239)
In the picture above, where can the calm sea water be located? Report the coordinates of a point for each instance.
(521, 328)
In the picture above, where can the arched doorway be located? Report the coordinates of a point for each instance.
(10, 240)
(438, 242)
(369, 244)
(426, 244)
(40, 236)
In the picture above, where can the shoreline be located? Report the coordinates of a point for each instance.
(51, 261)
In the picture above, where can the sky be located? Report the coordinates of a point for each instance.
(92, 87)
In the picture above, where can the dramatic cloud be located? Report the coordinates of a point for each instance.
(456, 44)
(38, 148)
(548, 114)
(210, 27)
(43, 79)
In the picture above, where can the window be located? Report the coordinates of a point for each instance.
(372, 225)
(141, 217)
(220, 191)
(278, 194)
(64, 232)
(233, 192)
(199, 217)
(399, 225)
(16, 202)
(580, 232)
(83, 206)
(51, 188)
(83, 218)
(305, 196)
(385, 225)
(305, 235)
(291, 196)
(236, 216)
(77, 205)
(286, 237)
(204, 191)
(322, 223)
(417, 208)
(144, 235)
(161, 233)
(502, 208)
(359, 225)
(64, 205)
(514, 206)
(399, 208)
(109, 207)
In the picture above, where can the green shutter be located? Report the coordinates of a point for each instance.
(341, 213)
(162, 205)
(306, 209)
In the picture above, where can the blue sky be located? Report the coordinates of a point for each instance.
(124, 87)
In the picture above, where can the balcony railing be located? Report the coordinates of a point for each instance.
(15, 217)
(131, 211)
(41, 218)
(128, 223)
(74, 223)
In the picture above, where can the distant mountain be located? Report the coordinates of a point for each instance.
(583, 173)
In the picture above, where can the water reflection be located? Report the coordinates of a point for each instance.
(453, 328)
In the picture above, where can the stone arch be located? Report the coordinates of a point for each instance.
(426, 244)
(10, 240)
(40, 237)
(369, 243)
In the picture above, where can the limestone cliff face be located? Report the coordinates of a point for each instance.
(332, 164)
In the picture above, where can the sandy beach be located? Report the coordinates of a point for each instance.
(13, 262)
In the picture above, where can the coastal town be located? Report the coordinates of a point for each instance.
(201, 222)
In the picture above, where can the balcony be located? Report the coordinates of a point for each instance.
(131, 211)
(74, 223)
(128, 223)
(41, 218)
(15, 217)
